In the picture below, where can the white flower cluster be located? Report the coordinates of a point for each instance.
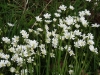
(4, 63)
(20, 53)
(63, 33)
(6, 39)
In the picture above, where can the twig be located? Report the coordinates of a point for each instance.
(25, 4)
(45, 7)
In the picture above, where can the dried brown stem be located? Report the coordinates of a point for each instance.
(43, 10)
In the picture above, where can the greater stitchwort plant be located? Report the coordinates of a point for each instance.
(57, 44)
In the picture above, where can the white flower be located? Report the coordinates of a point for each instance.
(2, 63)
(47, 16)
(46, 27)
(77, 26)
(24, 34)
(76, 32)
(39, 29)
(54, 19)
(71, 7)
(83, 21)
(59, 11)
(7, 63)
(61, 21)
(30, 60)
(15, 39)
(71, 66)
(88, 0)
(90, 36)
(90, 42)
(70, 72)
(48, 21)
(96, 50)
(79, 43)
(48, 34)
(71, 53)
(66, 47)
(72, 36)
(2, 55)
(57, 14)
(87, 12)
(67, 35)
(6, 40)
(52, 55)
(81, 13)
(48, 40)
(33, 43)
(24, 53)
(54, 42)
(69, 48)
(14, 57)
(26, 40)
(21, 48)
(62, 26)
(38, 19)
(91, 47)
(22, 31)
(84, 36)
(19, 61)
(42, 46)
(43, 51)
(14, 44)
(96, 25)
(54, 33)
(62, 7)
(30, 30)
(12, 69)
(76, 18)
(11, 25)
(6, 56)
(69, 20)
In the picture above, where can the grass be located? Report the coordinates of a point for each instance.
(22, 14)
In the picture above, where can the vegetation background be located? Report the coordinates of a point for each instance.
(22, 13)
